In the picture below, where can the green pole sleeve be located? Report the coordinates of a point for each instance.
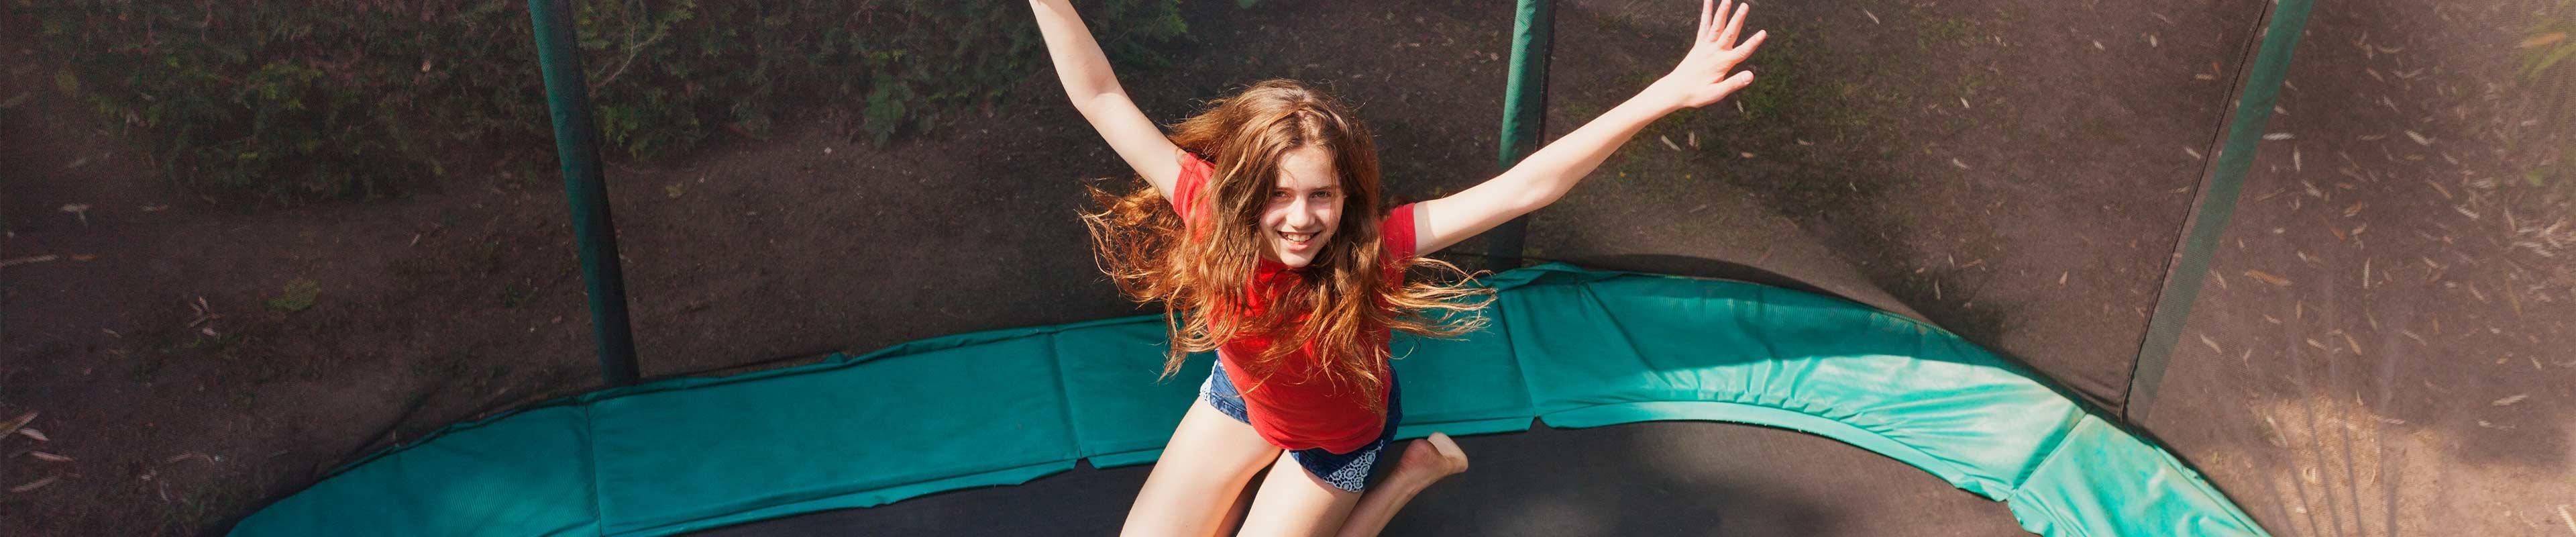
(2216, 203)
(1524, 108)
(577, 145)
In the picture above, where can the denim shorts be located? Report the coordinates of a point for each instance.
(1347, 471)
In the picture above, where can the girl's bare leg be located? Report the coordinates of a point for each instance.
(1295, 502)
(1200, 476)
(1425, 461)
(1234, 516)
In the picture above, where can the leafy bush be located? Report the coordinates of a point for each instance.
(294, 100)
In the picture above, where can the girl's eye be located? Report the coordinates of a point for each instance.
(1279, 194)
(1323, 195)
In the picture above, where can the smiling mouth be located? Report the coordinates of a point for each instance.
(1297, 240)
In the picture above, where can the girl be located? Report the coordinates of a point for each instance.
(1275, 253)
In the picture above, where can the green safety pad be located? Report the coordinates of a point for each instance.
(1621, 350)
(525, 473)
(1573, 347)
(2095, 483)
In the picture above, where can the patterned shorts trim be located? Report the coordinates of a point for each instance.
(1347, 471)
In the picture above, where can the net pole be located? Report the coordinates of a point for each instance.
(577, 146)
(1524, 111)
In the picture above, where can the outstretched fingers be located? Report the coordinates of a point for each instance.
(1707, 20)
(1750, 43)
(1737, 82)
(1734, 24)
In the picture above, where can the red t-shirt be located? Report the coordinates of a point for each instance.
(1289, 409)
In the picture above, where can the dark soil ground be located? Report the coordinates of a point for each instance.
(2387, 344)
(1982, 163)
(2016, 174)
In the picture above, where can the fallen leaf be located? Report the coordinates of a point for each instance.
(83, 257)
(2268, 278)
(33, 485)
(78, 209)
(36, 434)
(2516, 398)
(48, 457)
(12, 425)
(2541, 40)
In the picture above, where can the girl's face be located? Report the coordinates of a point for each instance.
(1304, 208)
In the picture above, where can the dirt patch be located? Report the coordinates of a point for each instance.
(2382, 344)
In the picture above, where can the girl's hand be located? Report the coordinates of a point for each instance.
(1702, 77)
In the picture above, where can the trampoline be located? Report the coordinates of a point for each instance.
(1587, 368)
(1572, 348)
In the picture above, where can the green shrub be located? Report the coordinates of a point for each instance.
(296, 100)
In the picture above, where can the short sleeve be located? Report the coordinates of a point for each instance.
(1397, 231)
(1185, 190)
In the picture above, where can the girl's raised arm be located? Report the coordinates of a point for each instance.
(1095, 92)
(1701, 79)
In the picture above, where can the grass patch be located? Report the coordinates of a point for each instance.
(1794, 95)
(2542, 61)
(513, 296)
(2548, 43)
(1945, 32)
(146, 365)
(488, 257)
(199, 509)
(299, 296)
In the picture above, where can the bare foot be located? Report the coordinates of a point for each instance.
(1433, 458)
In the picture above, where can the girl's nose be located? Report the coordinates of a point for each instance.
(1300, 213)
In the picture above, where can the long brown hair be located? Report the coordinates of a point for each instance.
(1203, 278)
